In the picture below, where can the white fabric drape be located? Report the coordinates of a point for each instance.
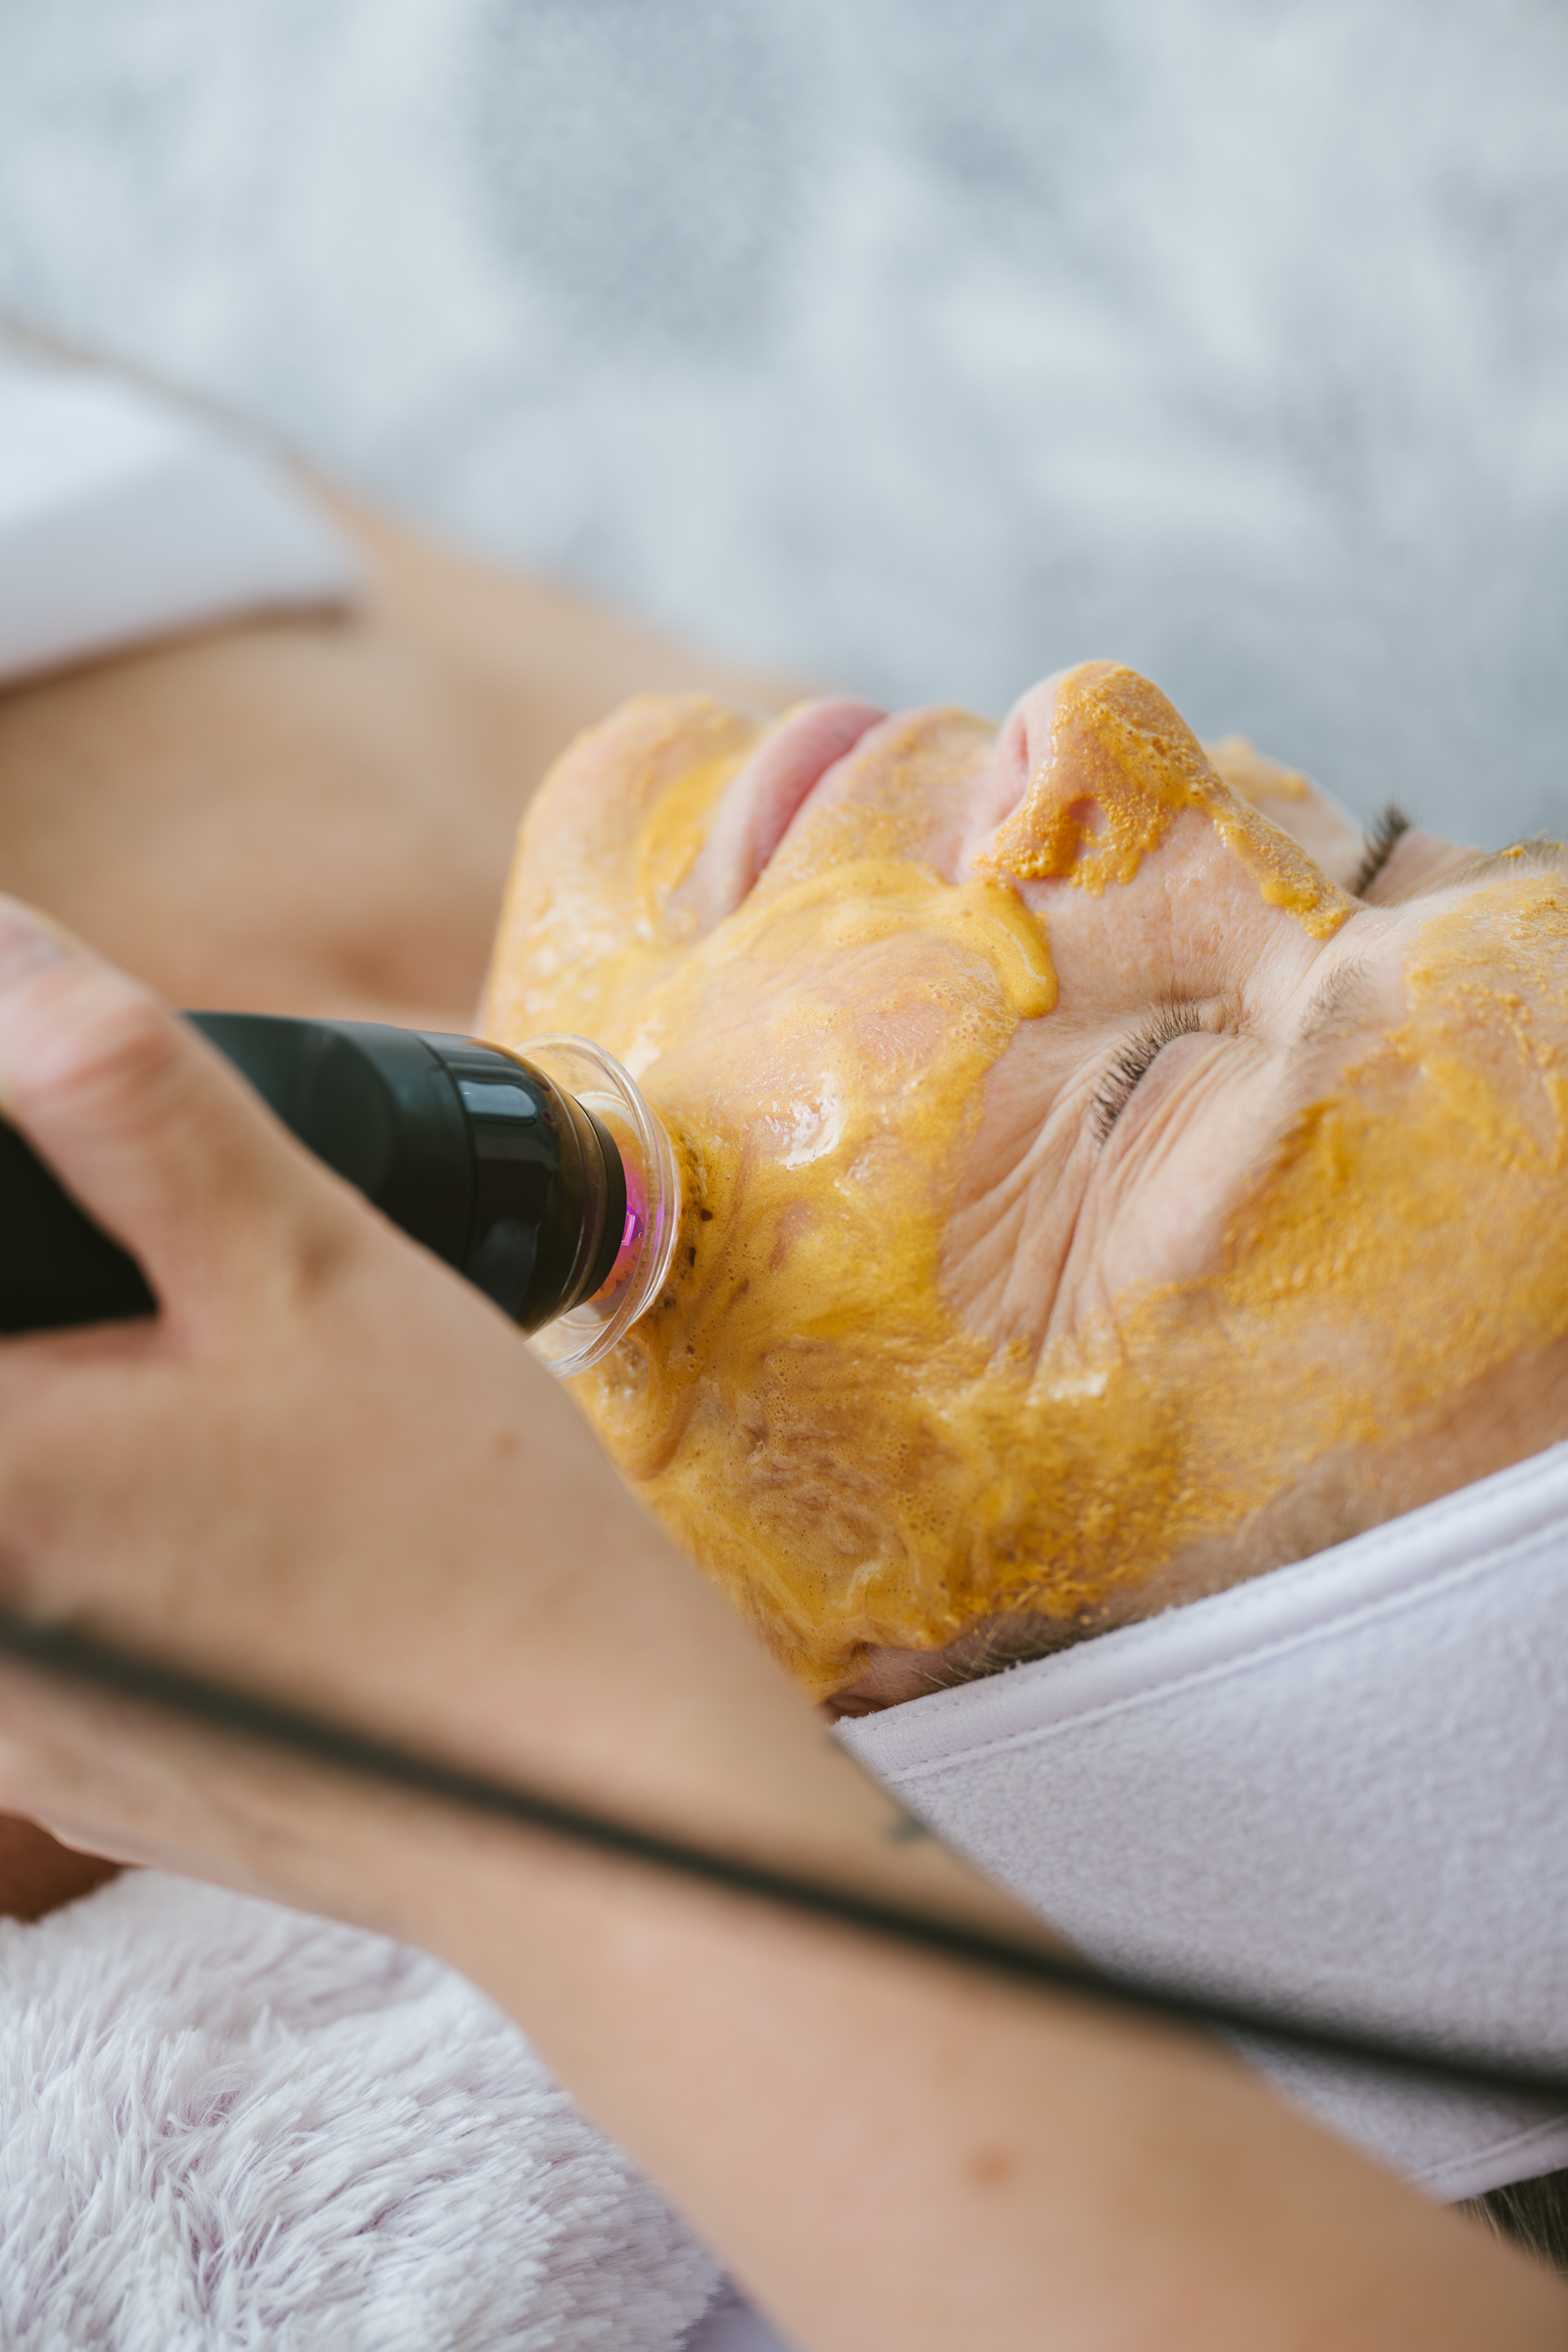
(1342, 1787)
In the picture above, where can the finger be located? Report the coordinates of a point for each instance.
(148, 1127)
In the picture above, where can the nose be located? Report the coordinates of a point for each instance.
(1094, 763)
(1108, 766)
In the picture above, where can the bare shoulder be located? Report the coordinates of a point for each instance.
(317, 811)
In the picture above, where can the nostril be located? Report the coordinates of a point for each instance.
(1013, 761)
(1023, 747)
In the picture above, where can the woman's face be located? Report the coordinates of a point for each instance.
(1073, 1168)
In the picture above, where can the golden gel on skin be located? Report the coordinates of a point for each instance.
(804, 1409)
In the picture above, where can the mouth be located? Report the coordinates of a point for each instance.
(762, 801)
(793, 763)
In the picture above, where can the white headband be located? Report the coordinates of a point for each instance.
(1342, 1787)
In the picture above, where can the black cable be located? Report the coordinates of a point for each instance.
(242, 1713)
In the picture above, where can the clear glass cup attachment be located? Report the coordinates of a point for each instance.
(574, 1340)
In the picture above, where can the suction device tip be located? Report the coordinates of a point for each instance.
(582, 1338)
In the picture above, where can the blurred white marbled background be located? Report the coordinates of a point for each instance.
(919, 345)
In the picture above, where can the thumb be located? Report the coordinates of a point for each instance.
(146, 1125)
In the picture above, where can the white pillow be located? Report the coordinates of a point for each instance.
(126, 516)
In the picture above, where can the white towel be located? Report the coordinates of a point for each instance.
(730, 2325)
(1342, 1787)
(124, 517)
(224, 2124)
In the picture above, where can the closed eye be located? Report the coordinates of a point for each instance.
(1135, 1057)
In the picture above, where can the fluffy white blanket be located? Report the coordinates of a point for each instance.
(223, 2124)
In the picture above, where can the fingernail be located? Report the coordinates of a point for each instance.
(27, 943)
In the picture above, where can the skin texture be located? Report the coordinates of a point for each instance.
(1089, 1202)
(308, 813)
(330, 1467)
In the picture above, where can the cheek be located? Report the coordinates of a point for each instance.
(778, 1409)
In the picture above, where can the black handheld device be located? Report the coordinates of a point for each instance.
(483, 1156)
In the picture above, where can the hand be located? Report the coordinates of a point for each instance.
(329, 1469)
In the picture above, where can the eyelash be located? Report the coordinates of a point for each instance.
(1381, 840)
(1135, 1058)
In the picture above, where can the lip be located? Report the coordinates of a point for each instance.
(764, 801)
(783, 774)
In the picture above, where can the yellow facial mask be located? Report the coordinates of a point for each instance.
(805, 1410)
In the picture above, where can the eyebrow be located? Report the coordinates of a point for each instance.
(1349, 998)
(1353, 991)
(1538, 853)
